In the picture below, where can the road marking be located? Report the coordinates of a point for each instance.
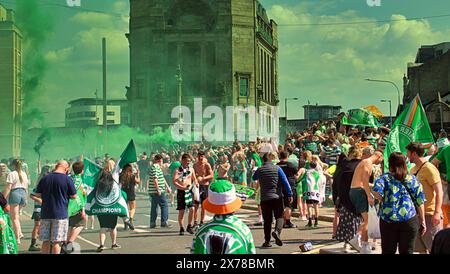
(159, 218)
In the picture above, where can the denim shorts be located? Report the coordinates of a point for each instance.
(18, 196)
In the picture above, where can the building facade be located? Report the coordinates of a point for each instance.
(88, 112)
(11, 85)
(429, 76)
(321, 112)
(226, 52)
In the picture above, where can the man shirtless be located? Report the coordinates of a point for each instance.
(183, 178)
(361, 198)
(204, 174)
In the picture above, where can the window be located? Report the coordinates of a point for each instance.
(110, 113)
(243, 86)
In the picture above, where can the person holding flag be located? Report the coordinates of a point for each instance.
(107, 200)
(76, 210)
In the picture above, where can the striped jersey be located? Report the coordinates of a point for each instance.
(332, 154)
(156, 172)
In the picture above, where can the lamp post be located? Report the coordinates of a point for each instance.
(390, 82)
(390, 108)
(286, 111)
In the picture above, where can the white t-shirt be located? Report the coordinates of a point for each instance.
(14, 180)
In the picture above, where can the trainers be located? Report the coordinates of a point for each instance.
(152, 226)
(166, 226)
(277, 238)
(290, 225)
(190, 229)
(366, 249)
(129, 223)
(355, 243)
(266, 245)
(304, 218)
(182, 231)
(116, 246)
(101, 248)
(309, 225)
(34, 248)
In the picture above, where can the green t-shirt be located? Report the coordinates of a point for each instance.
(77, 204)
(310, 185)
(236, 235)
(257, 159)
(156, 172)
(444, 158)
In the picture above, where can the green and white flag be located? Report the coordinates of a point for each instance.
(115, 202)
(89, 177)
(359, 117)
(8, 243)
(411, 126)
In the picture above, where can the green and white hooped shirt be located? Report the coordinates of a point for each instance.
(236, 235)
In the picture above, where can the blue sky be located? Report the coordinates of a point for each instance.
(323, 64)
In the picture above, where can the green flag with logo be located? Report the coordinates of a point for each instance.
(8, 243)
(411, 126)
(114, 202)
(359, 117)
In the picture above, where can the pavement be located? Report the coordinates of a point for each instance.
(144, 240)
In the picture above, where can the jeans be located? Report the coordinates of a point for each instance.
(401, 234)
(160, 201)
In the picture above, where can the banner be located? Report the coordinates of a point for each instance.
(8, 243)
(115, 202)
(411, 126)
(359, 117)
(89, 177)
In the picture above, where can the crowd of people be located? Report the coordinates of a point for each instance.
(328, 163)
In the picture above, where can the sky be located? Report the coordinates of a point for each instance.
(325, 64)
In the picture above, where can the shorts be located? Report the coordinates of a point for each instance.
(181, 200)
(54, 230)
(286, 199)
(312, 202)
(131, 196)
(107, 221)
(18, 196)
(203, 190)
(76, 220)
(36, 216)
(358, 197)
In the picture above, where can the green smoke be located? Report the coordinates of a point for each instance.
(36, 26)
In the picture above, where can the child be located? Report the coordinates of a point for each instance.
(311, 194)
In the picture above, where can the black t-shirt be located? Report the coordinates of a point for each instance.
(290, 171)
(342, 180)
(3, 201)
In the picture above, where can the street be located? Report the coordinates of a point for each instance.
(144, 240)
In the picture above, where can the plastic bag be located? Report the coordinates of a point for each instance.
(196, 193)
(374, 224)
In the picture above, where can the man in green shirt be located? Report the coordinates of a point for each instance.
(225, 234)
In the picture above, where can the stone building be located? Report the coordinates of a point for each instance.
(428, 76)
(321, 112)
(11, 85)
(227, 51)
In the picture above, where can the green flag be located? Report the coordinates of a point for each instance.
(411, 126)
(114, 202)
(8, 243)
(359, 117)
(89, 177)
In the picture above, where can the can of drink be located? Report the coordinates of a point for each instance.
(306, 247)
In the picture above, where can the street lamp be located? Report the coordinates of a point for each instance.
(390, 108)
(286, 110)
(390, 82)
